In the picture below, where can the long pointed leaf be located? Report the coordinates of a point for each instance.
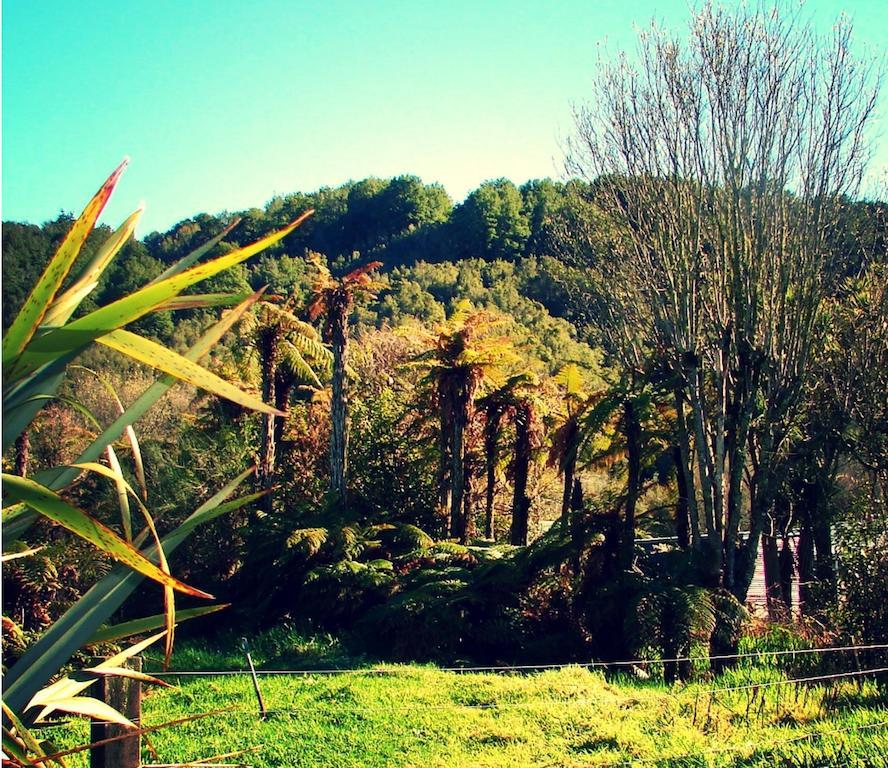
(172, 363)
(169, 598)
(20, 408)
(17, 555)
(80, 332)
(88, 707)
(27, 739)
(58, 478)
(50, 505)
(122, 498)
(77, 682)
(63, 307)
(129, 431)
(192, 258)
(81, 620)
(130, 674)
(201, 301)
(31, 315)
(139, 626)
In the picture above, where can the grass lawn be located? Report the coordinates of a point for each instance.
(412, 715)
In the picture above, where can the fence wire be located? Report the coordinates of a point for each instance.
(393, 670)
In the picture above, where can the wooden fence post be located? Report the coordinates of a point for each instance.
(124, 695)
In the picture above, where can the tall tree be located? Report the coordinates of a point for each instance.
(527, 428)
(567, 437)
(333, 299)
(491, 222)
(462, 356)
(287, 351)
(497, 406)
(723, 159)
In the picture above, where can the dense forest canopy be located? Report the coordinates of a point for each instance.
(535, 256)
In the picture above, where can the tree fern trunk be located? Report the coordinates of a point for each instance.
(520, 500)
(339, 408)
(570, 467)
(460, 418)
(269, 352)
(22, 453)
(491, 457)
(282, 392)
(469, 498)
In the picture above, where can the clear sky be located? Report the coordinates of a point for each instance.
(222, 104)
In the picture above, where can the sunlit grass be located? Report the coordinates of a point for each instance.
(411, 715)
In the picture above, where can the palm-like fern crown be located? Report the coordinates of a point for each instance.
(330, 293)
(463, 350)
(300, 350)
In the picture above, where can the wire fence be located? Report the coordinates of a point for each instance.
(709, 705)
(506, 668)
(568, 699)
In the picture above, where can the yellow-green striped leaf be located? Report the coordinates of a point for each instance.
(80, 332)
(157, 356)
(60, 476)
(50, 505)
(24, 738)
(201, 301)
(63, 307)
(192, 258)
(139, 626)
(31, 315)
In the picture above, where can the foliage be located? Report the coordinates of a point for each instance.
(38, 346)
(862, 546)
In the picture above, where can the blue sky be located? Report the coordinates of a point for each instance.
(222, 104)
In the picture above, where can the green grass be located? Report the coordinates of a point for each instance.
(411, 715)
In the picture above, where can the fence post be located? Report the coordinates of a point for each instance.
(124, 695)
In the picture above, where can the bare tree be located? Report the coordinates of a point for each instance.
(722, 158)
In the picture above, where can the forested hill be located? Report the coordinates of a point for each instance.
(532, 243)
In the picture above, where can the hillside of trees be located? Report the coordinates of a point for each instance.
(566, 445)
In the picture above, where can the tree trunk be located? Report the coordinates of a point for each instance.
(22, 453)
(824, 563)
(777, 609)
(282, 391)
(738, 432)
(682, 510)
(469, 498)
(445, 409)
(338, 406)
(491, 457)
(805, 555)
(520, 500)
(632, 432)
(460, 418)
(577, 506)
(709, 482)
(269, 352)
(821, 530)
(684, 470)
(570, 468)
(760, 505)
(787, 569)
